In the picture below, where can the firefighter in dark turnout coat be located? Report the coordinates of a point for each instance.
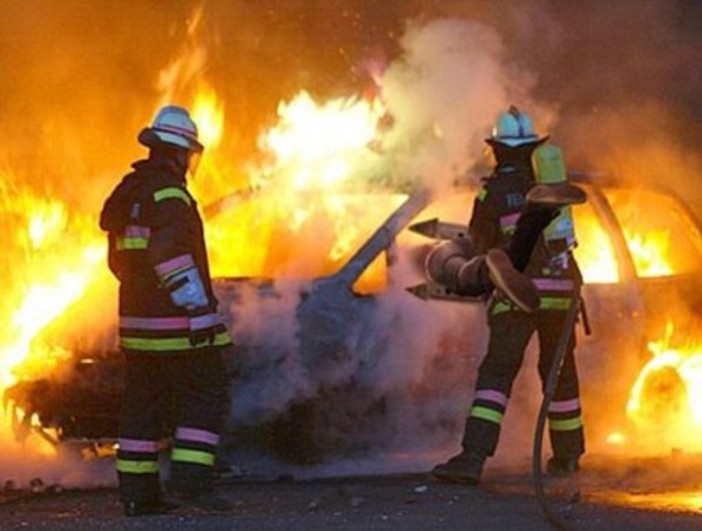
(169, 329)
(556, 276)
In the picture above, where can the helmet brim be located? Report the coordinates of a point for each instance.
(154, 139)
(516, 142)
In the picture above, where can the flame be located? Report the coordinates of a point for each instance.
(301, 211)
(650, 252)
(301, 220)
(54, 256)
(595, 256)
(662, 243)
(208, 114)
(667, 392)
(58, 253)
(317, 143)
(616, 438)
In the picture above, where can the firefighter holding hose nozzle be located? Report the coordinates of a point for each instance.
(169, 331)
(522, 221)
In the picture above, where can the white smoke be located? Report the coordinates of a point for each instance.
(405, 381)
(445, 91)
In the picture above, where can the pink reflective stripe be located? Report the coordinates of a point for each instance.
(510, 220)
(155, 323)
(137, 445)
(180, 262)
(493, 396)
(175, 129)
(564, 406)
(204, 321)
(553, 284)
(196, 435)
(135, 231)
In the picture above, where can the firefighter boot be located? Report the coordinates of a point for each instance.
(465, 468)
(562, 466)
(557, 195)
(515, 285)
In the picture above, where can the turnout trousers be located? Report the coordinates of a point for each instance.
(184, 397)
(510, 332)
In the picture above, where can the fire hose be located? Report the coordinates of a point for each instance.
(553, 515)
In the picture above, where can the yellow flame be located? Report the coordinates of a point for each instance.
(301, 222)
(208, 114)
(662, 243)
(668, 392)
(55, 257)
(650, 252)
(316, 143)
(616, 438)
(46, 223)
(595, 253)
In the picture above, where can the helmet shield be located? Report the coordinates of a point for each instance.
(194, 159)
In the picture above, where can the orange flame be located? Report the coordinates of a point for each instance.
(314, 152)
(662, 243)
(650, 252)
(54, 256)
(595, 255)
(208, 113)
(667, 393)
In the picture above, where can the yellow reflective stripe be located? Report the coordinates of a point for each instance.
(545, 303)
(137, 467)
(500, 307)
(171, 343)
(131, 243)
(554, 303)
(192, 456)
(172, 193)
(482, 194)
(486, 413)
(565, 424)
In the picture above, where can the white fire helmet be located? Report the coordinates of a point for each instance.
(172, 125)
(514, 128)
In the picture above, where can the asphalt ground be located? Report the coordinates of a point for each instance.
(607, 495)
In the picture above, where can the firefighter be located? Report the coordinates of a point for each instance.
(458, 266)
(554, 272)
(170, 333)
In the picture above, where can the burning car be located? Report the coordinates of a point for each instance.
(643, 296)
(302, 370)
(310, 370)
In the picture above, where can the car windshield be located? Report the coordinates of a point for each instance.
(298, 237)
(662, 238)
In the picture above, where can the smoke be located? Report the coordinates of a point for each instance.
(36, 464)
(278, 372)
(444, 92)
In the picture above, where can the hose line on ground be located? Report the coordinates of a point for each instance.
(552, 514)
